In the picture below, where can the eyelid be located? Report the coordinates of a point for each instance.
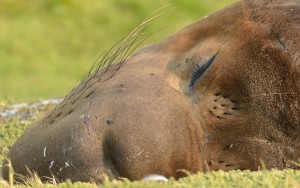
(200, 70)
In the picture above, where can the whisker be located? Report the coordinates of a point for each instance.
(118, 53)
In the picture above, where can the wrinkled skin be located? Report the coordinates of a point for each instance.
(173, 107)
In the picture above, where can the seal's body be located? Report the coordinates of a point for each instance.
(221, 94)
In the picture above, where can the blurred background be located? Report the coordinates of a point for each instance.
(46, 46)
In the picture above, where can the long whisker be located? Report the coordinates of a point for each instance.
(118, 53)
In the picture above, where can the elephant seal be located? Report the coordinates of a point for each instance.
(221, 94)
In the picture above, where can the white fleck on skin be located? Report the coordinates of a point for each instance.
(155, 177)
(138, 154)
(67, 164)
(51, 164)
(64, 150)
(45, 149)
(61, 168)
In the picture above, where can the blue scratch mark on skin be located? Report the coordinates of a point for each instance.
(86, 122)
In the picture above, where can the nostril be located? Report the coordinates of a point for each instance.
(234, 101)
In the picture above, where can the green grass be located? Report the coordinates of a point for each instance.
(244, 179)
(47, 46)
(9, 133)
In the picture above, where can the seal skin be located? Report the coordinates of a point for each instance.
(221, 94)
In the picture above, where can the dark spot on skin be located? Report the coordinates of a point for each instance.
(225, 96)
(59, 114)
(151, 74)
(64, 105)
(74, 101)
(121, 88)
(221, 162)
(96, 117)
(188, 60)
(229, 165)
(228, 147)
(217, 94)
(234, 108)
(215, 107)
(210, 112)
(234, 101)
(86, 120)
(70, 111)
(215, 100)
(210, 162)
(218, 117)
(282, 43)
(270, 139)
(223, 105)
(109, 121)
(89, 94)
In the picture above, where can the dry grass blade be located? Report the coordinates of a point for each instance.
(33, 180)
(8, 171)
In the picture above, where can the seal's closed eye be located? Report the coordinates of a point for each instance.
(201, 68)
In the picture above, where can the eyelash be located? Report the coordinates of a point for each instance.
(200, 70)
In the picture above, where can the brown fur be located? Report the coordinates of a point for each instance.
(145, 118)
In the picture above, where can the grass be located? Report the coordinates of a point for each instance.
(244, 179)
(47, 46)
